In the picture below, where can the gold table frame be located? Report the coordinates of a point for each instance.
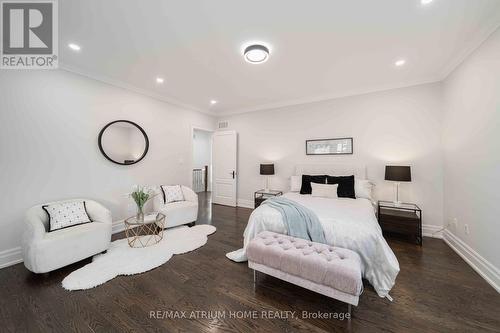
(144, 233)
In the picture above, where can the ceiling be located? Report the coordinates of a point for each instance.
(319, 49)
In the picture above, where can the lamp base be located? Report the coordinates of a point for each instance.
(396, 200)
(266, 187)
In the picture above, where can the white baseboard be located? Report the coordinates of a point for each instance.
(434, 231)
(11, 257)
(118, 226)
(482, 266)
(245, 203)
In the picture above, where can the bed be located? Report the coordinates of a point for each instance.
(347, 223)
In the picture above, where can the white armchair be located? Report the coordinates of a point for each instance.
(179, 212)
(45, 251)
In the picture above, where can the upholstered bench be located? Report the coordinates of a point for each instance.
(331, 271)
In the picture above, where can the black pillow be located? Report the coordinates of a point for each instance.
(346, 185)
(307, 180)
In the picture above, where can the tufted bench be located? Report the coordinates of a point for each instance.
(331, 271)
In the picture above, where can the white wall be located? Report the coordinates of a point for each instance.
(202, 152)
(471, 138)
(397, 126)
(50, 121)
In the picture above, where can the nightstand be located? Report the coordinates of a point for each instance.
(403, 219)
(261, 196)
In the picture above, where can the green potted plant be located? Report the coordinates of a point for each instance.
(141, 195)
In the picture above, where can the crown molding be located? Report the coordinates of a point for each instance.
(471, 47)
(451, 66)
(126, 86)
(293, 102)
(328, 97)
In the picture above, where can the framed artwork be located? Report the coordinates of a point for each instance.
(340, 146)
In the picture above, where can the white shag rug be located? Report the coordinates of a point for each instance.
(121, 259)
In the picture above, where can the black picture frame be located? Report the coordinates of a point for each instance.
(128, 162)
(332, 139)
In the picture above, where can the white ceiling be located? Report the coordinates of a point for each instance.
(319, 49)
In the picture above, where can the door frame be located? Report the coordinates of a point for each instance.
(191, 164)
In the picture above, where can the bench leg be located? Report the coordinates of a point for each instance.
(254, 279)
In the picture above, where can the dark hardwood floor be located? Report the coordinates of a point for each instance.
(436, 291)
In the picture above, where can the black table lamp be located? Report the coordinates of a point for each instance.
(398, 174)
(267, 170)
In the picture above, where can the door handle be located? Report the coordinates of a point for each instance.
(233, 173)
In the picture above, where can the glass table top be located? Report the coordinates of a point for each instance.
(148, 219)
(403, 205)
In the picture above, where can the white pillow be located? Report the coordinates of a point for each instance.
(363, 188)
(66, 214)
(172, 193)
(324, 190)
(295, 183)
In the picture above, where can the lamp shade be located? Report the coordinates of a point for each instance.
(267, 169)
(398, 173)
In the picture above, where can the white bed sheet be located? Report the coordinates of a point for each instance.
(347, 223)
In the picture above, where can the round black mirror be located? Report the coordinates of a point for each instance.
(123, 142)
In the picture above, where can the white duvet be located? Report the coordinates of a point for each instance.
(347, 223)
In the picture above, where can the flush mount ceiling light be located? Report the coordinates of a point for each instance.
(212, 102)
(400, 63)
(426, 2)
(74, 47)
(159, 80)
(256, 54)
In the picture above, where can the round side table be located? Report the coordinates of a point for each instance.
(145, 233)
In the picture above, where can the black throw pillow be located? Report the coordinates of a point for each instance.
(346, 185)
(307, 180)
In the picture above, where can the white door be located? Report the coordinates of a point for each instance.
(224, 178)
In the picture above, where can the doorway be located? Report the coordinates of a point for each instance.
(202, 160)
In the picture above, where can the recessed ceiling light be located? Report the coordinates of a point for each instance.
(213, 102)
(159, 80)
(400, 63)
(426, 2)
(256, 54)
(74, 47)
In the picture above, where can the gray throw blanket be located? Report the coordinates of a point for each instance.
(300, 222)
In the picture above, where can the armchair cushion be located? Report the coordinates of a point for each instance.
(180, 212)
(189, 194)
(66, 246)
